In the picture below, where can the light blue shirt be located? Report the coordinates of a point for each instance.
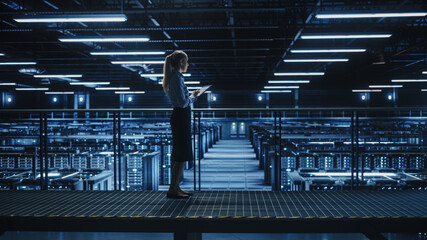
(178, 92)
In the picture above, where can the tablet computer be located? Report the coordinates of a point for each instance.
(203, 89)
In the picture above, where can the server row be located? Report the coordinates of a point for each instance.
(81, 156)
(321, 155)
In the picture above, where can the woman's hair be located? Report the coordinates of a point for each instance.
(172, 63)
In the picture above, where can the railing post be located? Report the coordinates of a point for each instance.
(115, 150)
(357, 150)
(119, 146)
(279, 162)
(46, 156)
(352, 151)
(194, 148)
(41, 151)
(274, 184)
(200, 152)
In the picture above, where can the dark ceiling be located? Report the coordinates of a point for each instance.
(234, 44)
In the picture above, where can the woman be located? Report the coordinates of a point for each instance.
(174, 87)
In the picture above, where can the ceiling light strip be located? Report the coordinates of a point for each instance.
(112, 88)
(161, 75)
(89, 83)
(58, 75)
(276, 91)
(127, 53)
(32, 89)
(59, 93)
(129, 92)
(385, 86)
(299, 74)
(345, 36)
(137, 62)
(105, 39)
(371, 15)
(316, 60)
(366, 90)
(72, 18)
(281, 87)
(289, 81)
(409, 80)
(327, 50)
(18, 63)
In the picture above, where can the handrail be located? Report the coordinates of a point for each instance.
(220, 109)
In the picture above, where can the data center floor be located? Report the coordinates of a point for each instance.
(228, 165)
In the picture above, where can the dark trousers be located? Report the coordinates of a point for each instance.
(181, 133)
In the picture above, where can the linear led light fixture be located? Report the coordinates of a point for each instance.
(59, 93)
(327, 50)
(300, 74)
(137, 62)
(129, 92)
(112, 88)
(186, 82)
(193, 88)
(366, 90)
(7, 84)
(289, 81)
(409, 80)
(281, 87)
(89, 83)
(385, 86)
(424, 90)
(18, 63)
(345, 36)
(72, 18)
(424, 72)
(161, 75)
(58, 75)
(1, 54)
(276, 91)
(317, 60)
(127, 53)
(32, 89)
(371, 15)
(106, 39)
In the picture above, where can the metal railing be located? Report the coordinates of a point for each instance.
(273, 113)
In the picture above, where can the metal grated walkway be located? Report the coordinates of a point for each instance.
(368, 212)
(215, 204)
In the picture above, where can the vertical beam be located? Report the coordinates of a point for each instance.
(115, 151)
(46, 156)
(41, 150)
(274, 184)
(200, 151)
(352, 151)
(357, 150)
(194, 148)
(119, 147)
(279, 162)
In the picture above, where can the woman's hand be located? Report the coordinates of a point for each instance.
(195, 93)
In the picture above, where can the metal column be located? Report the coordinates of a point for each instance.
(352, 151)
(200, 152)
(357, 150)
(194, 148)
(119, 147)
(41, 128)
(115, 151)
(46, 156)
(279, 162)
